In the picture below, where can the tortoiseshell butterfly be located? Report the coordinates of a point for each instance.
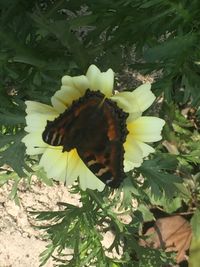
(96, 127)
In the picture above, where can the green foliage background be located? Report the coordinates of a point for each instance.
(43, 40)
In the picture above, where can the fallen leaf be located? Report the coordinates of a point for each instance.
(172, 233)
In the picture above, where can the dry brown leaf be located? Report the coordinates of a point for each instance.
(172, 233)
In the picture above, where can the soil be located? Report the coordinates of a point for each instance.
(20, 242)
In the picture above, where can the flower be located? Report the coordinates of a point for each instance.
(68, 166)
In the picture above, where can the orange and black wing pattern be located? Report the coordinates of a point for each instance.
(96, 127)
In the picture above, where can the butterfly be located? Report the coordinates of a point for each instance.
(96, 127)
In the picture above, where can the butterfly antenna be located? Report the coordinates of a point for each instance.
(101, 102)
(45, 147)
(98, 108)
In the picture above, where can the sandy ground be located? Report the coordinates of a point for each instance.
(20, 243)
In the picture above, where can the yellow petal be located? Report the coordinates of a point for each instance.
(127, 102)
(102, 81)
(128, 165)
(133, 116)
(88, 180)
(36, 107)
(67, 80)
(36, 122)
(66, 95)
(146, 149)
(105, 82)
(135, 102)
(144, 96)
(73, 169)
(92, 75)
(81, 83)
(146, 129)
(67, 167)
(34, 144)
(133, 152)
(55, 163)
(58, 105)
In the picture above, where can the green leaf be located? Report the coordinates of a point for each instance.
(169, 205)
(12, 119)
(13, 159)
(159, 181)
(5, 139)
(171, 49)
(46, 254)
(146, 213)
(195, 222)
(41, 175)
(13, 194)
(194, 258)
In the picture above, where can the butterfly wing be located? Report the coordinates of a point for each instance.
(68, 129)
(105, 159)
(96, 127)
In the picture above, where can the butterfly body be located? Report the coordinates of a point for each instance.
(96, 128)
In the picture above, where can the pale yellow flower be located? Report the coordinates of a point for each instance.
(68, 166)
